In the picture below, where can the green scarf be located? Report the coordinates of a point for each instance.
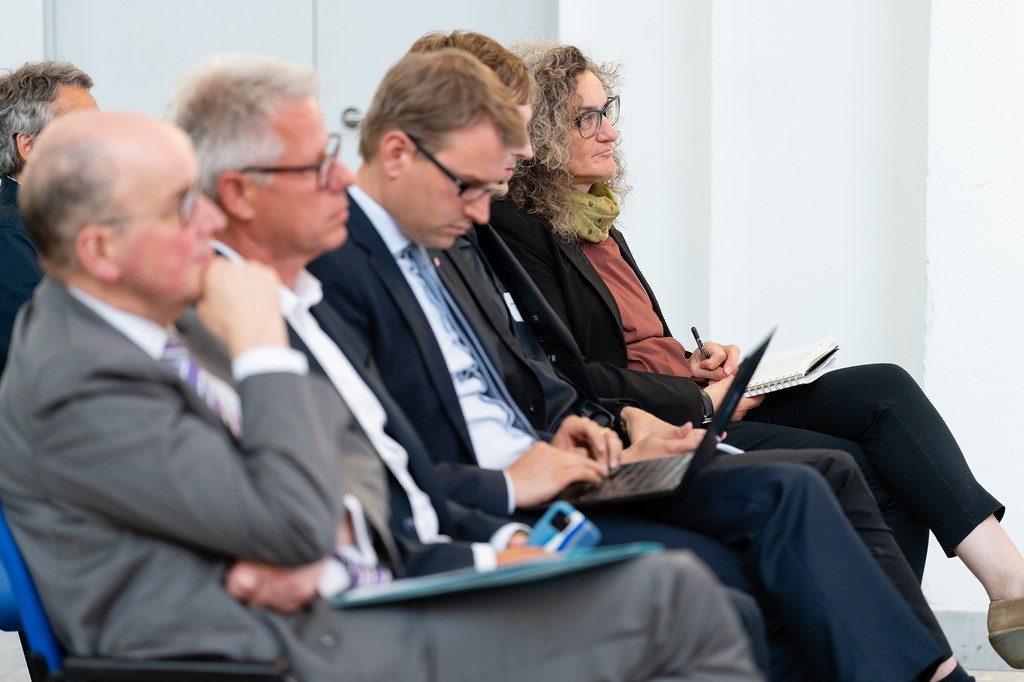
(594, 214)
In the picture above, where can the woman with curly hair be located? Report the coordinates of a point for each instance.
(559, 218)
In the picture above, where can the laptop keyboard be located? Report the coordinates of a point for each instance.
(648, 473)
(634, 477)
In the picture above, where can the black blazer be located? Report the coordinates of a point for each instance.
(545, 395)
(576, 293)
(365, 286)
(19, 264)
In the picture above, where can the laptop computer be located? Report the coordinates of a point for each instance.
(664, 476)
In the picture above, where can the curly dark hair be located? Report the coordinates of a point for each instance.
(543, 185)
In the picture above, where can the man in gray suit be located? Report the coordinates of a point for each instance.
(135, 490)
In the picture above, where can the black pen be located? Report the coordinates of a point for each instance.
(700, 344)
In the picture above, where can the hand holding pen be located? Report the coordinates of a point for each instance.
(700, 344)
(713, 361)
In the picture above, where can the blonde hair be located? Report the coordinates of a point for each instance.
(543, 185)
(510, 69)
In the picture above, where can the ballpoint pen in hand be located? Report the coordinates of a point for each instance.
(700, 344)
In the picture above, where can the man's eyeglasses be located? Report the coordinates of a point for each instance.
(322, 168)
(184, 208)
(468, 192)
(589, 122)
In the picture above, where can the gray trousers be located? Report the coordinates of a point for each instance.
(661, 617)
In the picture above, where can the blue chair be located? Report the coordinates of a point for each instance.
(22, 611)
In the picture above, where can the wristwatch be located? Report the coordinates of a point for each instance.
(709, 409)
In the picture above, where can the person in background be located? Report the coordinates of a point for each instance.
(30, 97)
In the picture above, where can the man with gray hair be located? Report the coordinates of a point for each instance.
(30, 97)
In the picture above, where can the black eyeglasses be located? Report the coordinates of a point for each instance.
(589, 122)
(468, 192)
(322, 169)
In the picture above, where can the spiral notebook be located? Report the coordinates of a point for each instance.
(794, 367)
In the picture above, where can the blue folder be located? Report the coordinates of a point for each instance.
(468, 580)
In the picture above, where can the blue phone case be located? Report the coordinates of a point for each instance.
(563, 527)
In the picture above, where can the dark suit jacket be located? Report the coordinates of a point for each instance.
(545, 395)
(19, 263)
(578, 296)
(365, 286)
(456, 521)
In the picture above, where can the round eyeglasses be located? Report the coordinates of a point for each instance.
(589, 122)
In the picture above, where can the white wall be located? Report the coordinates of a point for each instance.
(22, 33)
(817, 193)
(975, 251)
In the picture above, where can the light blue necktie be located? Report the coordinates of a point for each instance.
(456, 323)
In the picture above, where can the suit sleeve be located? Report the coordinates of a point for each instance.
(131, 449)
(468, 525)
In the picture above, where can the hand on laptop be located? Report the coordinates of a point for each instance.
(544, 470)
(600, 442)
(668, 442)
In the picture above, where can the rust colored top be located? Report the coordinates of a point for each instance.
(647, 347)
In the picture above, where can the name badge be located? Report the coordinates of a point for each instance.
(512, 309)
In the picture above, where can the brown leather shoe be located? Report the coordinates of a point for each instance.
(1006, 630)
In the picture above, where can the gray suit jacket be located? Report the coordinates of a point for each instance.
(129, 498)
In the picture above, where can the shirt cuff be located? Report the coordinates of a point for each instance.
(503, 535)
(511, 491)
(485, 557)
(334, 579)
(268, 359)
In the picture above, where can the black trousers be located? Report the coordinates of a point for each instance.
(881, 417)
(846, 597)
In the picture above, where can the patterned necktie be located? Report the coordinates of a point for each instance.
(462, 332)
(218, 395)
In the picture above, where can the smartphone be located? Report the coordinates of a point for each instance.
(563, 527)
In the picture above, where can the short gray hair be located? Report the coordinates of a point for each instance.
(225, 104)
(26, 98)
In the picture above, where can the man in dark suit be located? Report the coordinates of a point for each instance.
(177, 504)
(426, 178)
(30, 97)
